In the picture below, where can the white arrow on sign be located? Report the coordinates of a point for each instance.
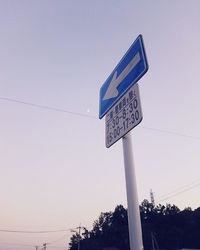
(116, 80)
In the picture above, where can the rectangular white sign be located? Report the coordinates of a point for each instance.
(124, 116)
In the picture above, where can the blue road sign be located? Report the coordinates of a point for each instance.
(129, 70)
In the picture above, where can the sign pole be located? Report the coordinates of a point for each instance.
(134, 221)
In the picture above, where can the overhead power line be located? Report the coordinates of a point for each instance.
(171, 132)
(50, 244)
(47, 107)
(179, 191)
(26, 245)
(59, 239)
(34, 232)
(15, 244)
(50, 108)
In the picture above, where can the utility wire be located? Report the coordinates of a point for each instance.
(48, 243)
(179, 191)
(59, 239)
(91, 116)
(64, 247)
(171, 132)
(16, 244)
(47, 107)
(34, 232)
(33, 246)
(171, 194)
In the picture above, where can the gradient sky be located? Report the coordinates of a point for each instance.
(56, 172)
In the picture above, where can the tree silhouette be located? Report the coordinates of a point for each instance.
(163, 226)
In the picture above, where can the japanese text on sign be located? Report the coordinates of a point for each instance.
(124, 116)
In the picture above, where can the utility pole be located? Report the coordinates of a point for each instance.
(152, 198)
(44, 246)
(79, 236)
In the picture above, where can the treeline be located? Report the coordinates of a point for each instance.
(163, 227)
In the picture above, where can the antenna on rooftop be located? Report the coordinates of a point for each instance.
(152, 197)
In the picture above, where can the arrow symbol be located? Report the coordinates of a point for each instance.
(116, 80)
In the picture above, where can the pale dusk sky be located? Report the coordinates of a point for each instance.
(56, 172)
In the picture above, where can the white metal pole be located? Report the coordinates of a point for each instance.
(134, 221)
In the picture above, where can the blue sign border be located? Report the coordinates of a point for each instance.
(138, 71)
